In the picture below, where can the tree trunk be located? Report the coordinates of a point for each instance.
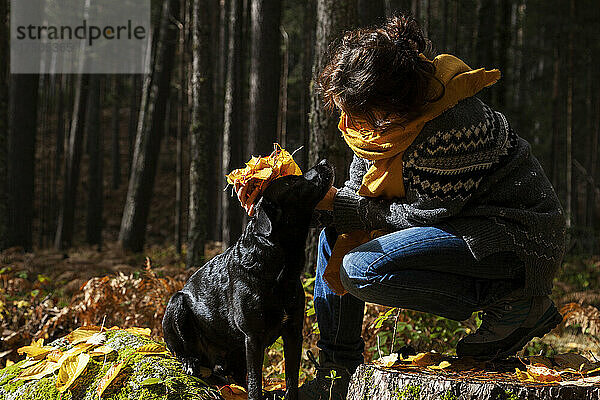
(595, 150)
(395, 6)
(232, 121)
(115, 146)
(504, 42)
(60, 145)
(134, 102)
(283, 91)
(93, 232)
(370, 382)
(308, 34)
(222, 44)
(22, 129)
(150, 132)
(569, 130)
(181, 78)
(265, 72)
(4, 97)
(66, 214)
(370, 12)
(556, 148)
(200, 129)
(333, 17)
(444, 26)
(485, 45)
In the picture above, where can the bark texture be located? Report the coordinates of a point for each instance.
(3, 117)
(93, 232)
(265, 71)
(150, 133)
(370, 382)
(333, 18)
(199, 130)
(232, 122)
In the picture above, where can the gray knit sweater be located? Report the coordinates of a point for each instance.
(468, 169)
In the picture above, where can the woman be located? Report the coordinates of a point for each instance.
(445, 211)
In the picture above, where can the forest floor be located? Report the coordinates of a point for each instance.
(48, 294)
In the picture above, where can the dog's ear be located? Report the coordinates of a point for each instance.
(266, 214)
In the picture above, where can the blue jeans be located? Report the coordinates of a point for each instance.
(426, 269)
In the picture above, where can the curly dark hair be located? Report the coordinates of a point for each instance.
(376, 73)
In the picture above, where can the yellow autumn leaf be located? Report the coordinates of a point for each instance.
(39, 370)
(151, 348)
(36, 349)
(74, 351)
(29, 363)
(387, 361)
(101, 351)
(441, 365)
(427, 359)
(139, 331)
(82, 334)
(54, 355)
(259, 171)
(541, 373)
(110, 376)
(69, 371)
(523, 376)
(233, 392)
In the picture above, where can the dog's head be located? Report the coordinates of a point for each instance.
(288, 202)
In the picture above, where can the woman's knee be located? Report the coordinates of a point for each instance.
(353, 272)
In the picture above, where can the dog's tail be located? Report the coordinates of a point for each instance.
(174, 322)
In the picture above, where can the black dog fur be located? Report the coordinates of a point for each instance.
(242, 300)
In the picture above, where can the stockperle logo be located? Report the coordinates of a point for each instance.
(80, 36)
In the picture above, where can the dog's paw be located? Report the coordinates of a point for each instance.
(188, 367)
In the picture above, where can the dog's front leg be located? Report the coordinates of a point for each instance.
(254, 360)
(292, 348)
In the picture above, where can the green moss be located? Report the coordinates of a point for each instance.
(171, 383)
(368, 377)
(510, 395)
(409, 392)
(449, 395)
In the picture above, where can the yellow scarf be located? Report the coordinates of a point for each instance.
(385, 149)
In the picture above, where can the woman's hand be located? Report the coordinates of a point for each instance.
(327, 202)
(247, 199)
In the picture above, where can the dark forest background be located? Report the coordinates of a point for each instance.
(141, 159)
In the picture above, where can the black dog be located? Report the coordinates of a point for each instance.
(241, 301)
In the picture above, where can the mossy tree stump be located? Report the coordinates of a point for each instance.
(372, 382)
(143, 377)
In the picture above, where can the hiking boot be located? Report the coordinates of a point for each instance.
(507, 325)
(331, 382)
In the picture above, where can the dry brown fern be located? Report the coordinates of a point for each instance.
(586, 317)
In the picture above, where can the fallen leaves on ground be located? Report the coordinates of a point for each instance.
(564, 369)
(110, 376)
(70, 369)
(36, 349)
(87, 342)
(233, 392)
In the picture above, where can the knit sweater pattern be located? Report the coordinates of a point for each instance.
(468, 169)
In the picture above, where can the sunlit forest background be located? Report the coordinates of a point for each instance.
(99, 171)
